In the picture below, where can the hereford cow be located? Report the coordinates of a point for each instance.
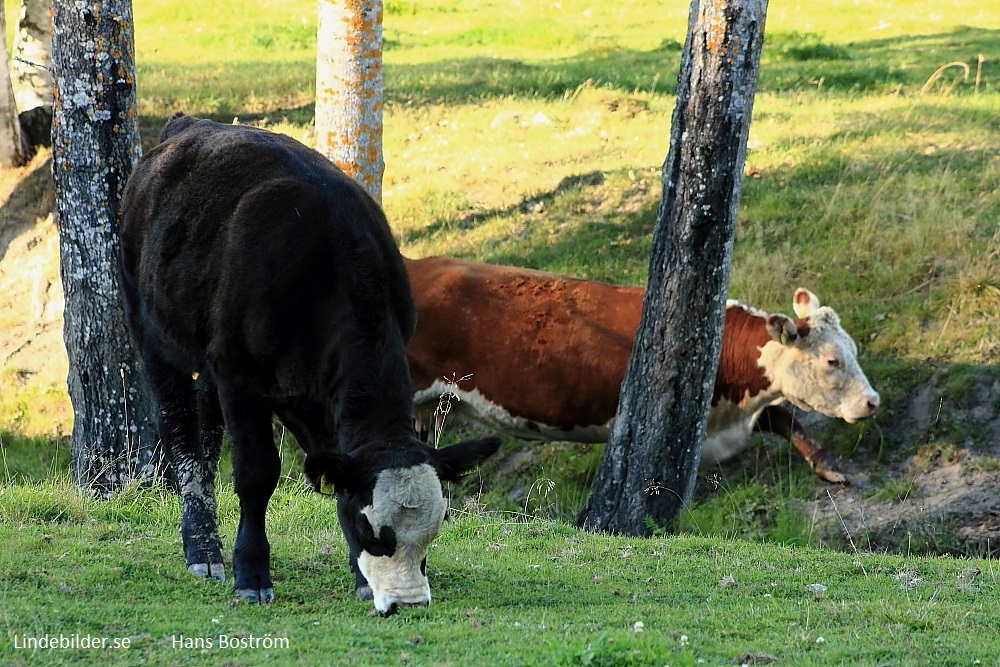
(260, 280)
(547, 355)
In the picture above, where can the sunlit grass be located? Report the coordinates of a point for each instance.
(532, 134)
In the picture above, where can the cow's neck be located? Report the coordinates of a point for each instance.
(741, 380)
(375, 403)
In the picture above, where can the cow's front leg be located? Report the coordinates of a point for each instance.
(778, 420)
(310, 424)
(362, 589)
(256, 468)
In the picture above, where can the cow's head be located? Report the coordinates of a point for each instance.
(813, 362)
(390, 515)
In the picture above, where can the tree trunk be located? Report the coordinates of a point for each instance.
(95, 146)
(349, 89)
(31, 73)
(651, 460)
(12, 151)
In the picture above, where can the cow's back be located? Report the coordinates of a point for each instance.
(245, 251)
(547, 348)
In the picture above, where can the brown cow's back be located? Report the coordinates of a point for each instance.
(569, 338)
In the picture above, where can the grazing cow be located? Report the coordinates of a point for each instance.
(547, 354)
(260, 280)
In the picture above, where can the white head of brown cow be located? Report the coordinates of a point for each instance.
(813, 362)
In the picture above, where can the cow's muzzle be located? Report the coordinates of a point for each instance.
(395, 606)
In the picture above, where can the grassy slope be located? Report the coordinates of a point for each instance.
(507, 591)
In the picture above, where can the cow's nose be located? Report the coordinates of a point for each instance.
(396, 605)
(873, 403)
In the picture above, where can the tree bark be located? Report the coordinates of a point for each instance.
(12, 150)
(31, 72)
(95, 146)
(651, 460)
(349, 89)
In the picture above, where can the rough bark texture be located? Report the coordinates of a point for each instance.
(12, 152)
(95, 146)
(651, 460)
(31, 72)
(349, 89)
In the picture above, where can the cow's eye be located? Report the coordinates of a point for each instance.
(833, 362)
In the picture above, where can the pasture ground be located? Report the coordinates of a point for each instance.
(508, 590)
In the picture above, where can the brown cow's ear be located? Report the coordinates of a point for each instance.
(335, 469)
(782, 329)
(453, 462)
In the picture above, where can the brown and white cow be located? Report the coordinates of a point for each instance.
(547, 353)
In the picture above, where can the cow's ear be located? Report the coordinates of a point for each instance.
(453, 462)
(804, 302)
(782, 329)
(335, 469)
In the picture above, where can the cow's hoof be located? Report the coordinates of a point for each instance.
(255, 595)
(833, 476)
(825, 470)
(215, 571)
(364, 593)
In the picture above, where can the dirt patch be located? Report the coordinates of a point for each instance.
(928, 481)
(33, 365)
(952, 509)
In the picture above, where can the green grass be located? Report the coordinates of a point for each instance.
(532, 134)
(506, 589)
(32, 458)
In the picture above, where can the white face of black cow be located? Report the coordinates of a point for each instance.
(407, 503)
(390, 515)
(817, 370)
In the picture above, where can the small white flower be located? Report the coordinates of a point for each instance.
(638, 626)
(684, 640)
(820, 640)
(215, 620)
(816, 588)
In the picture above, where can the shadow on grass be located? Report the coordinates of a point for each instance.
(31, 198)
(790, 62)
(536, 202)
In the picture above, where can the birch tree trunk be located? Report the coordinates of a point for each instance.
(31, 73)
(95, 146)
(349, 89)
(12, 151)
(651, 460)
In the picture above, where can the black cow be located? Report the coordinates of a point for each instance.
(260, 280)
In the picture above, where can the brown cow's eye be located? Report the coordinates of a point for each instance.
(833, 362)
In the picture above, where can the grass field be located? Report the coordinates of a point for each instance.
(508, 590)
(532, 133)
